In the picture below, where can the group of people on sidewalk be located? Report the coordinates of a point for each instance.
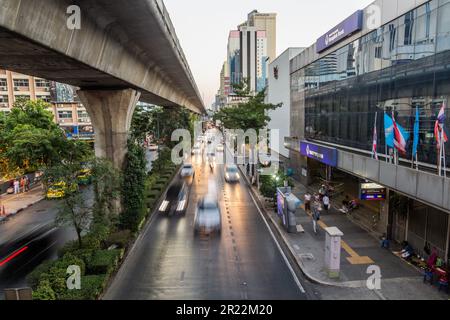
(21, 185)
(313, 205)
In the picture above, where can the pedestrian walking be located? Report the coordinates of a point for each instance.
(16, 185)
(22, 184)
(308, 202)
(316, 216)
(326, 202)
(27, 183)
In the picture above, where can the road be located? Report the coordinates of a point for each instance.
(32, 228)
(169, 262)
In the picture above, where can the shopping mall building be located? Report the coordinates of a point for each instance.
(389, 58)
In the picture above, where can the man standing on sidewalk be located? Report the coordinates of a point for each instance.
(316, 216)
(326, 202)
(16, 186)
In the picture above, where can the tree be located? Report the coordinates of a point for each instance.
(133, 187)
(74, 210)
(248, 115)
(29, 140)
(106, 180)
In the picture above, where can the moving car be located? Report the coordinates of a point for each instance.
(59, 190)
(232, 173)
(187, 170)
(177, 199)
(208, 218)
(196, 149)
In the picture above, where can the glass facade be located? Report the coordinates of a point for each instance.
(398, 67)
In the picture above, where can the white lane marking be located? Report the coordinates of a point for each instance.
(297, 281)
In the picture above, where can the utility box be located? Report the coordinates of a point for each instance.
(18, 294)
(287, 205)
(333, 251)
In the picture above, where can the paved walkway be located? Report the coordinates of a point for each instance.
(15, 203)
(400, 281)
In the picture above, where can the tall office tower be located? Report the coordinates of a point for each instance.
(253, 57)
(265, 22)
(233, 56)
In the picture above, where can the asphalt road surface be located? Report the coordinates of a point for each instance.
(169, 262)
(33, 234)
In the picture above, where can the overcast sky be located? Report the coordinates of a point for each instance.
(202, 27)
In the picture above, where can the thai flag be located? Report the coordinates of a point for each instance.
(399, 139)
(439, 128)
(375, 140)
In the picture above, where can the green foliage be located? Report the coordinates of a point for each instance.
(133, 188)
(120, 238)
(44, 291)
(106, 181)
(269, 185)
(249, 115)
(91, 288)
(33, 278)
(103, 262)
(29, 139)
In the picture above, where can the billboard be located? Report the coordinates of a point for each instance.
(372, 192)
(343, 30)
(325, 155)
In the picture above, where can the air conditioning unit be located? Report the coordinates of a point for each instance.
(16, 88)
(47, 89)
(3, 88)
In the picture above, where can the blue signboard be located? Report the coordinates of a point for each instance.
(345, 29)
(372, 192)
(328, 156)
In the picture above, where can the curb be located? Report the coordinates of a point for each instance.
(292, 252)
(14, 213)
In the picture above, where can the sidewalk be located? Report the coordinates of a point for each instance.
(400, 281)
(15, 203)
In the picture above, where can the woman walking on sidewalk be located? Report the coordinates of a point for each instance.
(307, 202)
(316, 216)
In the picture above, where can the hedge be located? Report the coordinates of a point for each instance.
(103, 262)
(91, 288)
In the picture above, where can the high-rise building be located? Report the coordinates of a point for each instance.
(265, 22)
(234, 56)
(253, 57)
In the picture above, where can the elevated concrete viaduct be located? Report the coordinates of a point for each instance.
(123, 51)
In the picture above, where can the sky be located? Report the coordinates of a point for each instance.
(202, 27)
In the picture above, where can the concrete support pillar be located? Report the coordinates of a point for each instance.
(111, 112)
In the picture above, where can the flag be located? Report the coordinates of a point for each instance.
(375, 139)
(389, 131)
(400, 138)
(439, 128)
(416, 133)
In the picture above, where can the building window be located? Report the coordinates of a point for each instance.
(21, 83)
(22, 97)
(3, 85)
(4, 99)
(43, 98)
(41, 83)
(65, 114)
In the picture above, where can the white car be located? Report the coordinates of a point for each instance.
(196, 149)
(232, 173)
(208, 218)
(219, 148)
(187, 170)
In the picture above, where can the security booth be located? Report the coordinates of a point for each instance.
(287, 205)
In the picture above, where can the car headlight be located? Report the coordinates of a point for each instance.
(227, 176)
(164, 205)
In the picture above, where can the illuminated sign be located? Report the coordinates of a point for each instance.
(328, 156)
(345, 29)
(372, 192)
